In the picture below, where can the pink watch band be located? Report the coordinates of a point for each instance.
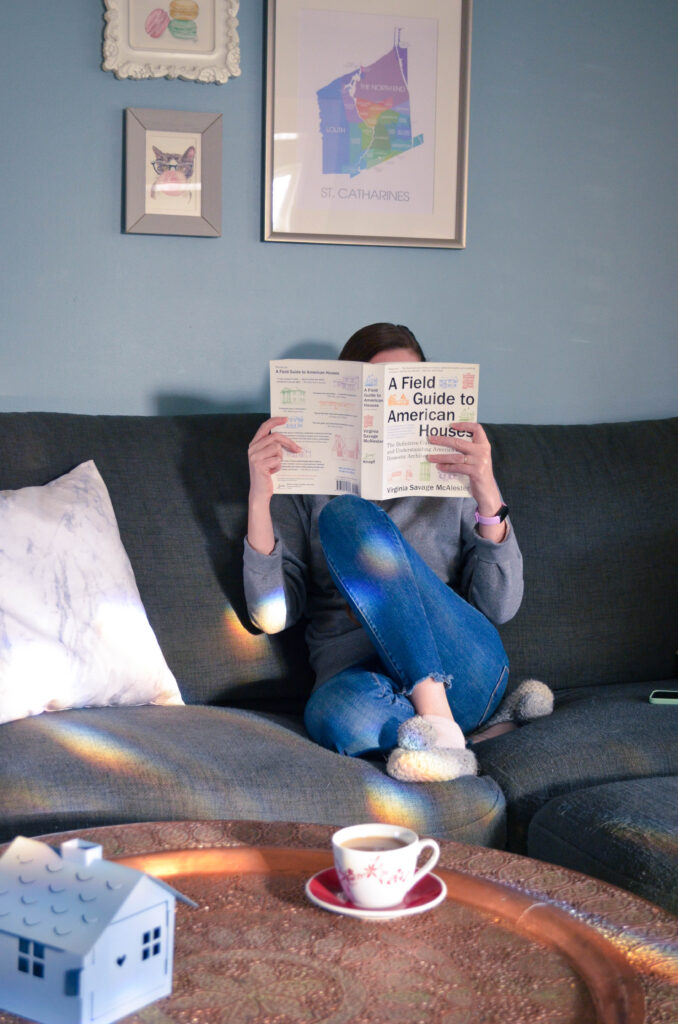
(492, 520)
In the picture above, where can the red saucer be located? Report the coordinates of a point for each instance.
(325, 891)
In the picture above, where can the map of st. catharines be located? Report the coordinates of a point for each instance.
(365, 115)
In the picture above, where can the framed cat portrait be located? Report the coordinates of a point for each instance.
(172, 172)
(197, 41)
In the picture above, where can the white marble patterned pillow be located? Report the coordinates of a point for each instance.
(73, 630)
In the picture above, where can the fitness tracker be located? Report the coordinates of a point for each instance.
(493, 520)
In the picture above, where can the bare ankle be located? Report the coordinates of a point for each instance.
(429, 697)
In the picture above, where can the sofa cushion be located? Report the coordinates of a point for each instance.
(624, 832)
(103, 766)
(603, 734)
(593, 508)
(73, 631)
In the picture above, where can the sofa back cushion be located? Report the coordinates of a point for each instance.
(595, 509)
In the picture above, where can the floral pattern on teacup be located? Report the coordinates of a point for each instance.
(375, 870)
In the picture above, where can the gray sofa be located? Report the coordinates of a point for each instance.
(595, 509)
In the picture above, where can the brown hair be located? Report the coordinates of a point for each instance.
(375, 338)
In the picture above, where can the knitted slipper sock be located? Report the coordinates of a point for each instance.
(431, 748)
(531, 699)
(441, 764)
(426, 732)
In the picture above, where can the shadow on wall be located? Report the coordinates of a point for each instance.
(173, 404)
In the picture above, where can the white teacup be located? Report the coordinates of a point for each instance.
(377, 864)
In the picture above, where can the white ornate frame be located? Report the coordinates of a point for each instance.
(125, 61)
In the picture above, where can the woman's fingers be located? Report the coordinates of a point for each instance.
(265, 454)
(267, 439)
(461, 455)
(267, 426)
(271, 443)
(466, 446)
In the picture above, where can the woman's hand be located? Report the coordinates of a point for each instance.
(265, 455)
(472, 458)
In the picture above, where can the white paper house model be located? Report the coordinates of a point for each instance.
(81, 939)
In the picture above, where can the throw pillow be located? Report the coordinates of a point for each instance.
(73, 630)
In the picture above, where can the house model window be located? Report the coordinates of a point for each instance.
(151, 944)
(32, 958)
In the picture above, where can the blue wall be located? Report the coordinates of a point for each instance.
(565, 294)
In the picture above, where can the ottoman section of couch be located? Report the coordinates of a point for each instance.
(625, 833)
(595, 735)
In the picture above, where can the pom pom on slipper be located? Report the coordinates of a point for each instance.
(531, 699)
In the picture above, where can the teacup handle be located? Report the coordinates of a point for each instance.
(430, 863)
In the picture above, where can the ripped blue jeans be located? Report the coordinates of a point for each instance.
(419, 627)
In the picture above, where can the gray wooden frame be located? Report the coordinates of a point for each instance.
(138, 121)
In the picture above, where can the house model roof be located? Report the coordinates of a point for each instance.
(64, 898)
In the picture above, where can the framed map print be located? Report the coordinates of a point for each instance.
(367, 122)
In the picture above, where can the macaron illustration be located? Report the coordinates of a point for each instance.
(182, 29)
(156, 22)
(180, 21)
(183, 10)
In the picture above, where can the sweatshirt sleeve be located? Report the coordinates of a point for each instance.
(275, 584)
(492, 574)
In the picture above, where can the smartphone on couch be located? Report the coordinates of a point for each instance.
(664, 697)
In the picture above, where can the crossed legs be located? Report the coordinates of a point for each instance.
(436, 657)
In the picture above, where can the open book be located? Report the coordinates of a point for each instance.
(364, 427)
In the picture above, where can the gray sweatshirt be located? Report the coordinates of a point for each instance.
(294, 581)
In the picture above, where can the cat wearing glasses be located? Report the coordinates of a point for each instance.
(174, 171)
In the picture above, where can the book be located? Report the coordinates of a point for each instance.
(363, 428)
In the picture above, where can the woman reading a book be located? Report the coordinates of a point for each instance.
(400, 595)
